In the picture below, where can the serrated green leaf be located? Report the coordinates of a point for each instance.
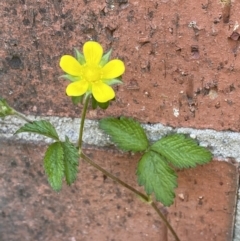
(41, 127)
(157, 177)
(53, 165)
(79, 56)
(126, 133)
(105, 58)
(70, 160)
(181, 151)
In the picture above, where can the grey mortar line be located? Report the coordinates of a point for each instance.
(223, 144)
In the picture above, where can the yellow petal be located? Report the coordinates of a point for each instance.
(102, 92)
(113, 69)
(77, 88)
(70, 65)
(93, 52)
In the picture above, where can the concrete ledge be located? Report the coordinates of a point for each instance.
(223, 145)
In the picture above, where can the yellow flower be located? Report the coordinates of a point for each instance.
(91, 76)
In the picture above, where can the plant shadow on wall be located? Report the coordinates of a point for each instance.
(91, 76)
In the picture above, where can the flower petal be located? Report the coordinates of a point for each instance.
(113, 69)
(102, 92)
(93, 52)
(70, 65)
(77, 88)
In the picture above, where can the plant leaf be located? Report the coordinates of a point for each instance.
(70, 77)
(5, 109)
(105, 58)
(70, 160)
(181, 151)
(113, 81)
(157, 177)
(126, 133)
(41, 127)
(104, 105)
(53, 165)
(77, 99)
(79, 56)
(94, 103)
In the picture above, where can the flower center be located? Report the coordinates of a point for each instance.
(92, 73)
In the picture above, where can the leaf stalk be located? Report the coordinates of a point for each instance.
(139, 194)
(21, 116)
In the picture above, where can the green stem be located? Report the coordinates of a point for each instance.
(92, 163)
(165, 221)
(84, 111)
(139, 194)
(21, 116)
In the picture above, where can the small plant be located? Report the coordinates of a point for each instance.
(91, 76)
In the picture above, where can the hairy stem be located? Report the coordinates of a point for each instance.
(92, 163)
(84, 111)
(165, 220)
(139, 194)
(21, 116)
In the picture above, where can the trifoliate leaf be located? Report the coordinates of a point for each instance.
(53, 165)
(126, 133)
(80, 57)
(181, 151)
(70, 160)
(157, 177)
(41, 127)
(105, 58)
